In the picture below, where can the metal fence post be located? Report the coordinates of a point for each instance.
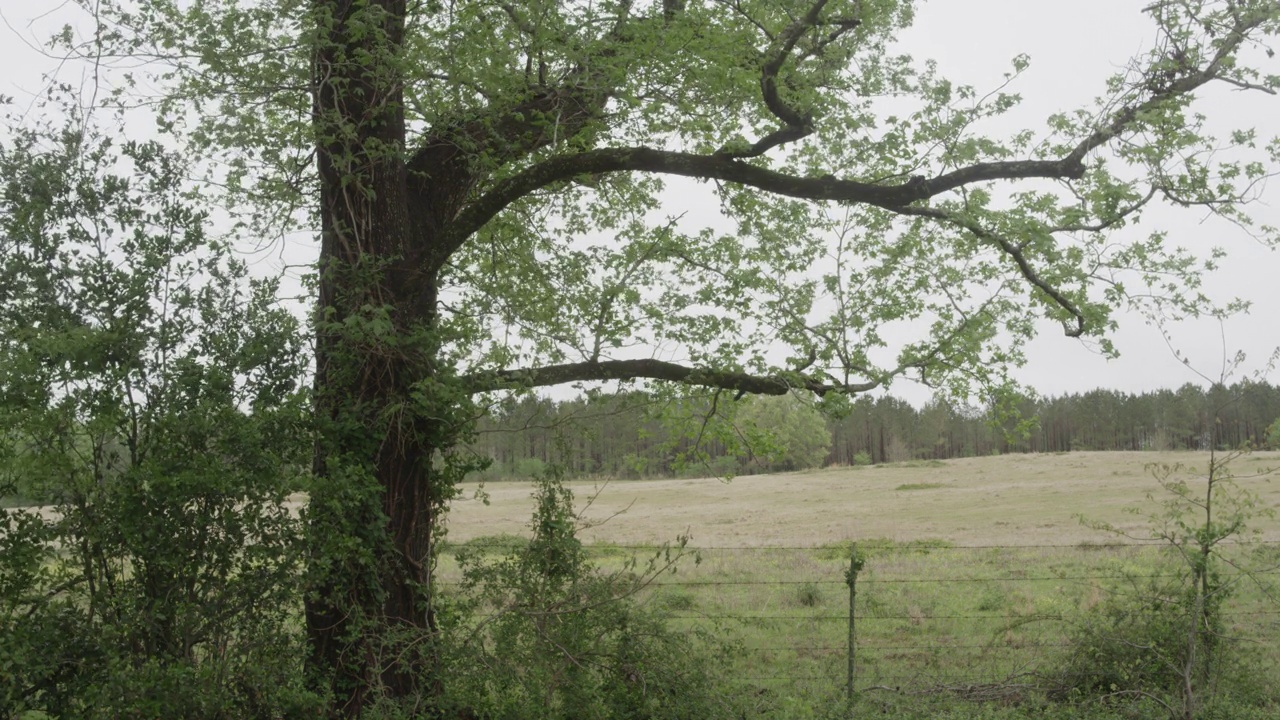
(855, 565)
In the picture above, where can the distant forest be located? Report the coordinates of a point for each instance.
(629, 435)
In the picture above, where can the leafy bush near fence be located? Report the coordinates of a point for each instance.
(540, 631)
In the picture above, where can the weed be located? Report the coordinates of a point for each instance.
(808, 595)
(921, 486)
(677, 601)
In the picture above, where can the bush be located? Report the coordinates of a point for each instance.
(1136, 645)
(542, 633)
(1273, 436)
(808, 595)
(528, 467)
(1137, 642)
(166, 435)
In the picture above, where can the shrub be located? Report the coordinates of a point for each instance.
(166, 436)
(540, 632)
(1273, 436)
(808, 595)
(1135, 641)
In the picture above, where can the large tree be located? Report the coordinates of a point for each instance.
(487, 182)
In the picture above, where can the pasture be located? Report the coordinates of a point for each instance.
(978, 577)
(1004, 500)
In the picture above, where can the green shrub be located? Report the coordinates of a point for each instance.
(167, 436)
(1138, 641)
(529, 467)
(808, 595)
(500, 543)
(540, 632)
(1273, 436)
(677, 601)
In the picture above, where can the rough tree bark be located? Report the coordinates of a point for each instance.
(375, 265)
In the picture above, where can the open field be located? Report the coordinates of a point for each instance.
(1006, 500)
(978, 573)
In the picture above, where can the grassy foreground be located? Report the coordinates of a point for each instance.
(978, 574)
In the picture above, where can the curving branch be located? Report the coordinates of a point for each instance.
(777, 57)
(1178, 81)
(654, 370)
(1014, 251)
(717, 167)
(796, 124)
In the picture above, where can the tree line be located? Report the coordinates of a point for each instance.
(633, 435)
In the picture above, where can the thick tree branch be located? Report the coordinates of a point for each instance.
(511, 129)
(654, 370)
(506, 132)
(796, 124)
(778, 55)
(714, 167)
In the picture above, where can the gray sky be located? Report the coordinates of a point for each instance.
(1074, 47)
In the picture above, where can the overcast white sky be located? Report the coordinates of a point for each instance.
(1074, 47)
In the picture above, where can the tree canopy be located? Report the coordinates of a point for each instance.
(857, 186)
(487, 183)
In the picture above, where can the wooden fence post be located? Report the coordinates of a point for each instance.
(851, 577)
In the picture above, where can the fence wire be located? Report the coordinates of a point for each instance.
(921, 609)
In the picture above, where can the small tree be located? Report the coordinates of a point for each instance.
(1167, 637)
(543, 632)
(149, 395)
(1273, 436)
(1179, 627)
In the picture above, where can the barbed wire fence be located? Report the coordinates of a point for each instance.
(975, 620)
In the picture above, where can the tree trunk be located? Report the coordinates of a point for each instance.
(376, 495)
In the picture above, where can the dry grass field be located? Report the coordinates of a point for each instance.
(978, 578)
(1005, 500)
(979, 573)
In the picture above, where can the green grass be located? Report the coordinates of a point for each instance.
(932, 620)
(963, 606)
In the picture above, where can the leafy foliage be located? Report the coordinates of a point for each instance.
(151, 401)
(795, 435)
(1273, 435)
(1170, 639)
(1136, 642)
(542, 632)
(626, 434)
